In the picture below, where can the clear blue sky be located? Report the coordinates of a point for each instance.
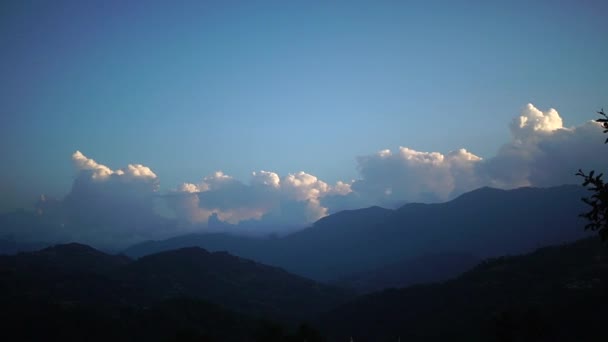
(282, 86)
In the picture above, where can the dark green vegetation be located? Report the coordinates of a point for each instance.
(598, 201)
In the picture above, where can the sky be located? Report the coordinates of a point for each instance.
(300, 88)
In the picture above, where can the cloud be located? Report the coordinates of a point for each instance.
(266, 178)
(229, 199)
(414, 175)
(293, 200)
(533, 122)
(117, 207)
(104, 207)
(544, 153)
(101, 190)
(98, 171)
(541, 152)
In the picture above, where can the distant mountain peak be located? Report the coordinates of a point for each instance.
(480, 194)
(485, 222)
(189, 252)
(363, 212)
(72, 248)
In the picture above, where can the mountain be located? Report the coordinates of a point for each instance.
(243, 246)
(553, 294)
(485, 223)
(429, 268)
(239, 284)
(177, 319)
(70, 272)
(74, 292)
(70, 257)
(79, 274)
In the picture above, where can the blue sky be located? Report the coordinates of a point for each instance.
(201, 86)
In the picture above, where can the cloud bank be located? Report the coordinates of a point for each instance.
(104, 207)
(292, 200)
(121, 206)
(541, 152)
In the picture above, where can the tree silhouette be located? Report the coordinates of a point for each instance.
(598, 215)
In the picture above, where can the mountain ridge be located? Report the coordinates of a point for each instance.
(485, 222)
(81, 274)
(556, 293)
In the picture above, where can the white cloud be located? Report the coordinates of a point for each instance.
(266, 178)
(541, 153)
(119, 206)
(100, 172)
(414, 175)
(293, 200)
(191, 188)
(137, 171)
(533, 122)
(83, 163)
(544, 153)
(104, 207)
(303, 186)
(341, 189)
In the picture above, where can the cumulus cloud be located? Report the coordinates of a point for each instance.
(117, 207)
(107, 206)
(104, 207)
(266, 178)
(98, 171)
(99, 188)
(532, 122)
(541, 152)
(292, 200)
(229, 199)
(414, 175)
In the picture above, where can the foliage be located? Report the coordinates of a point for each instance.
(598, 215)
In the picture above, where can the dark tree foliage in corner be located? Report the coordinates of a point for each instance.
(598, 215)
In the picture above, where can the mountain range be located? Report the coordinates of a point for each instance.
(348, 245)
(556, 293)
(77, 273)
(74, 292)
(423, 272)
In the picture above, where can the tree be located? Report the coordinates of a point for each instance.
(598, 201)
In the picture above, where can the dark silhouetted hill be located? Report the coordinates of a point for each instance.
(553, 294)
(72, 257)
(80, 274)
(176, 319)
(234, 282)
(424, 269)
